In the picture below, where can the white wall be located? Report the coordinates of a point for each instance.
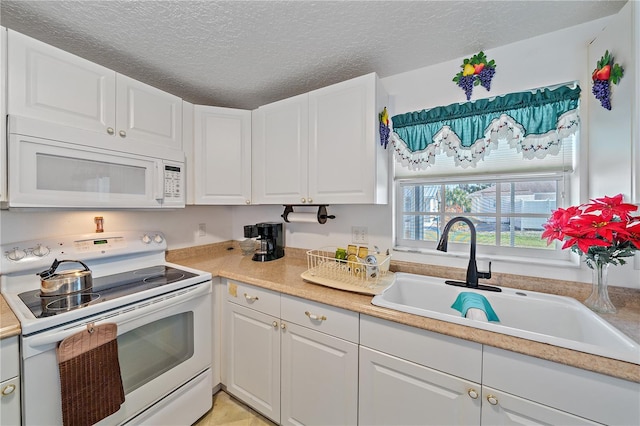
(550, 59)
(179, 226)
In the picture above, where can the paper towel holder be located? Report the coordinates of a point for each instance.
(322, 212)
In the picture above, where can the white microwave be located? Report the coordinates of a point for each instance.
(50, 173)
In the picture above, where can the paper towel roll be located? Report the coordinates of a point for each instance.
(302, 217)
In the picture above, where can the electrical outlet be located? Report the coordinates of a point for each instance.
(359, 235)
(202, 229)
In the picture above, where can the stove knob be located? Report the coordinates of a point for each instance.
(158, 239)
(16, 254)
(146, 239)
(41, 251)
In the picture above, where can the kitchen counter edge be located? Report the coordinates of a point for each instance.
(9, 324)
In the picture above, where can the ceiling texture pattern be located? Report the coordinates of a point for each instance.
(244, 54)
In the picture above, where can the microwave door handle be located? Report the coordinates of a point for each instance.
(131, 314)
(158, 182)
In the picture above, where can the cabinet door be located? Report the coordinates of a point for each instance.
(342, 142)
(499, 408)
(9, 382)
(280, 152)
(253, 359)
(319, 378)
(10, 402)
(147, 114)
(222, 155)
(50, 84)
(398, 392)
(3, 112)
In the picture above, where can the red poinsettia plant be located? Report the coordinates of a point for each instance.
(603, 230)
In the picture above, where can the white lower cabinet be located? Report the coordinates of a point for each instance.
(500, 408)
(298, 370)
(9, 382)
(305, 363)
(394, 391)
(252, 345)
(319, 364)
(410, 376)
(547, 392)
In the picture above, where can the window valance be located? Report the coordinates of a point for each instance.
(532, 122)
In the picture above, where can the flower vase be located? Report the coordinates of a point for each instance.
(599, 299)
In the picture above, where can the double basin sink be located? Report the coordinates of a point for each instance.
(556, 320)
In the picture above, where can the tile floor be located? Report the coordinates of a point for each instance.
(228, 411)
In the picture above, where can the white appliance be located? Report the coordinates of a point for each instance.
(82, 169)
(163, 315)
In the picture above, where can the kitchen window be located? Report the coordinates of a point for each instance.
(505, 163)
(507, 211)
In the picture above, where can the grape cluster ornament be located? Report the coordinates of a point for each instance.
(383, 118)
(606, 72)
(476, 71)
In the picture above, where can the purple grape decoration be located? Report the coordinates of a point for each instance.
(476, 71)
(384, 135)
(606, 72)
(466, 83)
(485, 77)
(602, 91)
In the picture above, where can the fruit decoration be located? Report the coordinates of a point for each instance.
(384, 127)
(606, 72)
(476, 70)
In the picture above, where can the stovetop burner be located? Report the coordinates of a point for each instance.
(105, 288)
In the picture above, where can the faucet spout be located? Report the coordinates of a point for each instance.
(472, 268)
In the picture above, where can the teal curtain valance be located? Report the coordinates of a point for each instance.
(533, 122)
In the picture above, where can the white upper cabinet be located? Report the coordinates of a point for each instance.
(347, 165)
(3, 112)
(322, 147)
(281, 152)
(221, 155)
(146, 113)
(49, 84)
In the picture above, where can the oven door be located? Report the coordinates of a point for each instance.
(163, 343)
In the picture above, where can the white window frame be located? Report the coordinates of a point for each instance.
(495, 252)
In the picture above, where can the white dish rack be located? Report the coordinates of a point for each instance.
(351, 275)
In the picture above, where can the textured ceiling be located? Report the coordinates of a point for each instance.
(244, 54)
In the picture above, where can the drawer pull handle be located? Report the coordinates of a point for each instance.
(315, 317)
(8, 390)
(492, 400)
(473, 393)
(250, 298)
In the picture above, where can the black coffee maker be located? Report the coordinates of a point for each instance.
(271, 237)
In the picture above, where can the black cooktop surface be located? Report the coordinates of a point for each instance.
(105, 288)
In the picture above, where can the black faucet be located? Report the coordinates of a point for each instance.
(472, 269)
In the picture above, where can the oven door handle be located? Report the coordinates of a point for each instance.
(126, 314)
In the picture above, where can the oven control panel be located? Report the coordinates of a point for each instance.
(25, 255)
(99, 244)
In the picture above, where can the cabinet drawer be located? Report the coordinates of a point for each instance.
(260, 299)
(10, 359)
(318, 316)
(594, 396)
(448, 354)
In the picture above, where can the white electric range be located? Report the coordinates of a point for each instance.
(162, 310)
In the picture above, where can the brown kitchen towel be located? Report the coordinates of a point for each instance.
(90, 380)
